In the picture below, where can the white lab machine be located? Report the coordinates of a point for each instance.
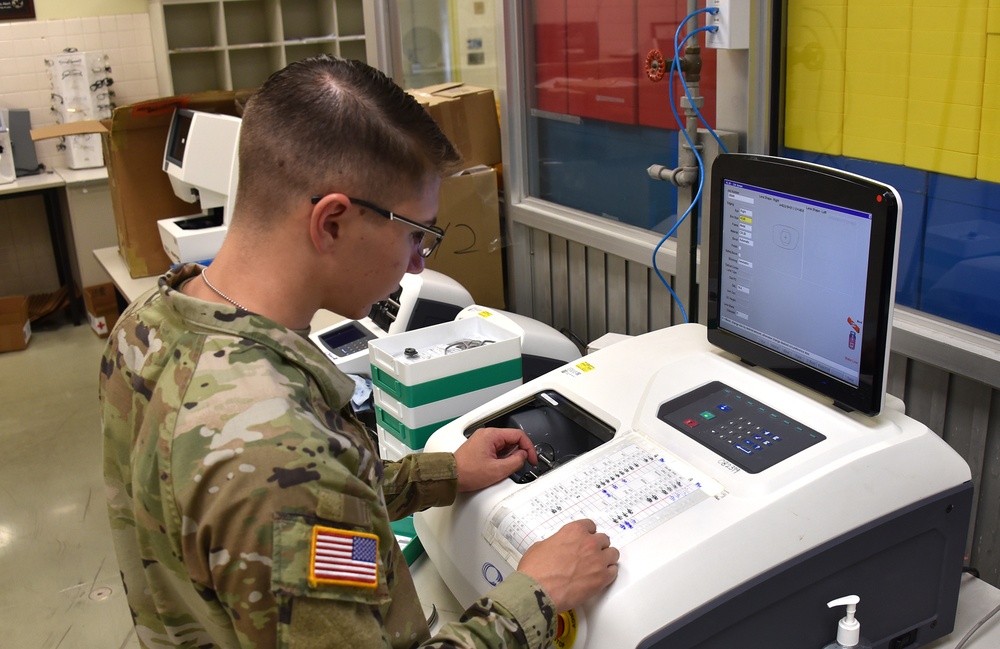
(750, 471)
(8, 173)
(202, 162)
(421, 300)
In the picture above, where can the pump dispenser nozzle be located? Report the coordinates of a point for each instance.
(849, 629)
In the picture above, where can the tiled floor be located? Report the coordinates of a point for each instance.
(61, 585)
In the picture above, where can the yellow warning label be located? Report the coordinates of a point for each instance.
(567, 632)
(584, 366)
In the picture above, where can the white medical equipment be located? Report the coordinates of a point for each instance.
(202, 162)
(421, 300)
(744, 491)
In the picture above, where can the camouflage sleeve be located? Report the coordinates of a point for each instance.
(419, 481)
(517, 613)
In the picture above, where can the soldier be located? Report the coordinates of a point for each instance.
(232, 458)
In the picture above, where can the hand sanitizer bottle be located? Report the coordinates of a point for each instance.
(849, 628)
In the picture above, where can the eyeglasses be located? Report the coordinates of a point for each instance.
(426, 237)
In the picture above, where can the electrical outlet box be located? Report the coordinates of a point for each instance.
(733, 21)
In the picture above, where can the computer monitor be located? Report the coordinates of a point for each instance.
(802, 274)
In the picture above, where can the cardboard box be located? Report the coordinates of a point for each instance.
(133, 142)
(102, 307)
(468, 116)
(15, 326)
(472, 249)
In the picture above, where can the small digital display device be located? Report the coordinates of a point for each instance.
(344, 340)
(802, 273)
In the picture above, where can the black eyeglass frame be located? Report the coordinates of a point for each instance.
(436, 232)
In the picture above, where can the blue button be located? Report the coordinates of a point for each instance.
(724, 408)
(744, 449)
(776, 438)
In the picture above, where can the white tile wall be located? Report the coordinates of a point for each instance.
(24, 45)
(26, 262)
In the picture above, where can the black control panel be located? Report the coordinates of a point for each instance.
(349, 339)
(748, 433)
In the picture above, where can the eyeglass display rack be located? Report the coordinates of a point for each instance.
(232, 44)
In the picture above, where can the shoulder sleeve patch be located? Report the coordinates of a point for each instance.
(343, 557)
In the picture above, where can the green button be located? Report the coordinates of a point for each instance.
(707, 415)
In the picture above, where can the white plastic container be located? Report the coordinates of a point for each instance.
(431, 375)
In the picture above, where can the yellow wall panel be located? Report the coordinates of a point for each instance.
(940, 161)
(990, 146)
(814, 101)
(944, 114)
(959, 92)
(968, 18)
(938, 66)
(870, 148)
(959, 140)
(947, 43)
(877, 80)
(989, 132)
(887, 107)
(868, 15)
(877, 84)
(989, 170)
(814, 131)
(991, 95)
(877, 40)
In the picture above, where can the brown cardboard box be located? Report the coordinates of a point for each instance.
(15, 326)
(134, 139)
(102, 307)
(472, 250)
(468, 116)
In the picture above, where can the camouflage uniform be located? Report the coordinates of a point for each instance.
(228, 440)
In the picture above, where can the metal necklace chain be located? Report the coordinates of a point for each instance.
(204, 276)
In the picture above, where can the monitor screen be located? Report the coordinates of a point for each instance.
(177, 138)
(802, 273)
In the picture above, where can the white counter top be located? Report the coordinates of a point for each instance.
(45, 180)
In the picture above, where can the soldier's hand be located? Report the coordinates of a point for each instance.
(573, 564)
(490, 455)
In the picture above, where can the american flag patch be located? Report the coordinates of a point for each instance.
(343, 557)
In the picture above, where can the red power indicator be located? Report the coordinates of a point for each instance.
(878, 199)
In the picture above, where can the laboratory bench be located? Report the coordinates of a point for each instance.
(79, 215)
(48, 185)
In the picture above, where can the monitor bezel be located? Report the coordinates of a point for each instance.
(180, 127)
(836, 187)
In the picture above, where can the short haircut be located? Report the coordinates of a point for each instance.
(326, 124)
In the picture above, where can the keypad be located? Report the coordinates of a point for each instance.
(750, 434)
(351, 348)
